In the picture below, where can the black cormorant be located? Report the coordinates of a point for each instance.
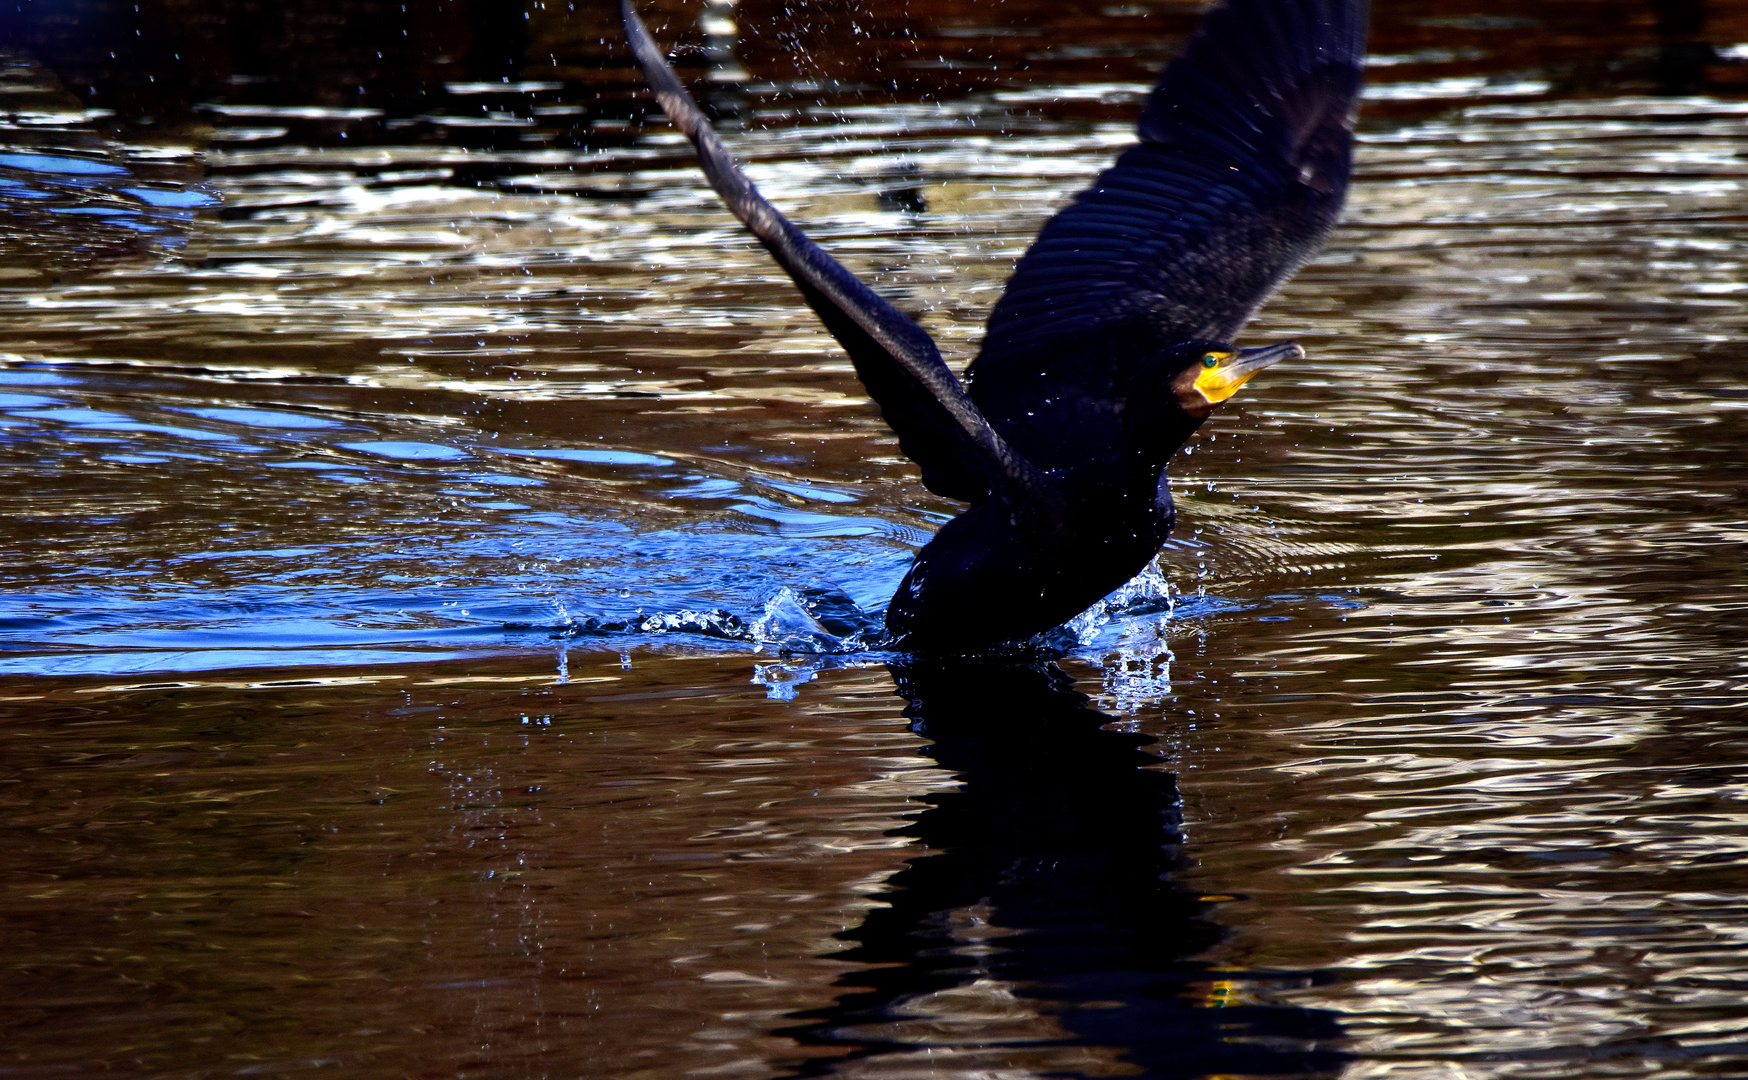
(1111, 344)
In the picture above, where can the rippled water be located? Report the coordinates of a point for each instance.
(412, 494)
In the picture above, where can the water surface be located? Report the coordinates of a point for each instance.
(428, 509)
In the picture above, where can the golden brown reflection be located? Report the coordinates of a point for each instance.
(465, 866)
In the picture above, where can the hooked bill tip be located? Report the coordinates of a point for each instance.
(1256, 359)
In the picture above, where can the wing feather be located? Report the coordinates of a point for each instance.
(1240, 173)
(937, 425)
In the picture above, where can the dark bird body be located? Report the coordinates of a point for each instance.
(1109, 347)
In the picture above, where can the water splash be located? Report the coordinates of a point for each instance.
(788, 626)
(1136, 676)
(715, 623)
(1125, 636)
(799, 627)
(1145, 602)
(781, 678)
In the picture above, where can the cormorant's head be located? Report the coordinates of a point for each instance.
(1209, 373)
(1164, 399)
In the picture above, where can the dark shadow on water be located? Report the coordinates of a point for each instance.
(1043, 921)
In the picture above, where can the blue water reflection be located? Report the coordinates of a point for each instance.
(132, 202)
(46, 163)
(266, 418)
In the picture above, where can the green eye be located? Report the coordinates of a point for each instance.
(1209, 360)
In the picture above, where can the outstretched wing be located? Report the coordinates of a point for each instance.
(937, 425)
(1240, 173)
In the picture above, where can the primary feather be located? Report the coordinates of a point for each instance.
(1240, 174)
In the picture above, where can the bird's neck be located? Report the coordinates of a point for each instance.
(1147, 446)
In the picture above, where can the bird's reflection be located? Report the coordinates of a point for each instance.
(1042, 928)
